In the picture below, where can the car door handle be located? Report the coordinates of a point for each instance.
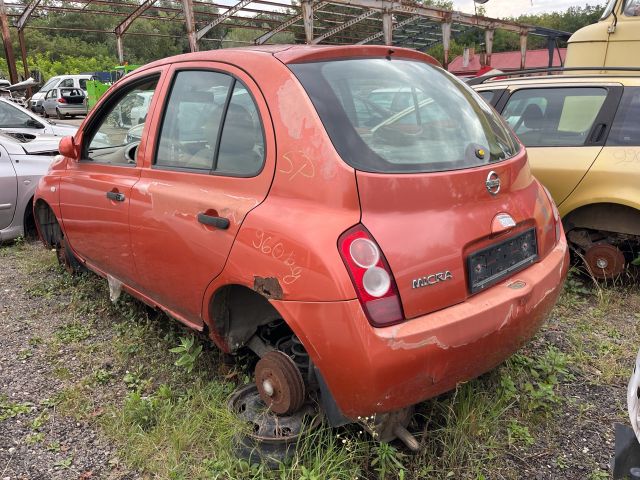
(218, 222)
(5, 206)
(115, 196)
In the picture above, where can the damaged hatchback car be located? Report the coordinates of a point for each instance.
(373, 252)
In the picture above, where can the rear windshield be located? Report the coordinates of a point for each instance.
(395, 116)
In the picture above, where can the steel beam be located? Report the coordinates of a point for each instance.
(8, 47)
(488, 39)
(341, 27)
(387, 27)
(187, 5)
(307, 17)
(26, 13)
(222, 17)
(446, 43)
(436, 14)
(523, 49)
(123, 26)
(375, 36)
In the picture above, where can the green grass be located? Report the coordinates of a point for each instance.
(159, 392)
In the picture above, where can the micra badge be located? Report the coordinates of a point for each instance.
(431, 280)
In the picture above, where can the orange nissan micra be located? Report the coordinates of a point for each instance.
(355, 215)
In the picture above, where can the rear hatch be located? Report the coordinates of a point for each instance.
(445, 188)
(72, 96)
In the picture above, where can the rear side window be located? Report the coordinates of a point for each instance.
(395, 116)
(211, 124)
(83, 83)
(546, 117)
(66, 83)
(626, 126)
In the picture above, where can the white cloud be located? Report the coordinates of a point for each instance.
(515, 8)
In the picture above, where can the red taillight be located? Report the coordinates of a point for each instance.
(556, 215)
(371, 276)
(62, 100)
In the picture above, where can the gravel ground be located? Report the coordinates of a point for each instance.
(41, 443)
(43, 437)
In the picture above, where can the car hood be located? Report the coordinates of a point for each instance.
(42, 144)
(62, 130)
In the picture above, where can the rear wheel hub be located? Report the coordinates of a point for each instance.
(605, 260)
(280, 383)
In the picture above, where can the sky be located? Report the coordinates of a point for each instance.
(514, 8)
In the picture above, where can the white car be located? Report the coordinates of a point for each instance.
(16, 120)
(60, 81)
(22, 163)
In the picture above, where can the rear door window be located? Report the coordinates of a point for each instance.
(625, 130)
(211, 125)
(545, 117)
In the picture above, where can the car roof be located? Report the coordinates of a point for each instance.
(295, 54)
(587, 79)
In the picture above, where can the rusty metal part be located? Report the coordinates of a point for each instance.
(581, 238)
(271, 438)
(386, 427)
(406, 437)
(280, 383)
(269, 287)
(605, 260)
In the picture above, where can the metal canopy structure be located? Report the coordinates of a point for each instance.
(399, 23)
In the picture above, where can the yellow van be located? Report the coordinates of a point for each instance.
(612, 42)
(582, 133)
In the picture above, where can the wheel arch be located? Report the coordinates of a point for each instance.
(47, 224)
(605, 216)
(235, 312)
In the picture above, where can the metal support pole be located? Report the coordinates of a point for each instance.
(191, 24)
(307, 17)
(488, 39)
(120, 49)
(23, 52)
(8, 47)
(523, 49)
(551, 47)
(387, 27)
(446, 43)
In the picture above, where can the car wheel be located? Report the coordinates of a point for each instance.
(67, 258)
(61, 116)
(45, 114)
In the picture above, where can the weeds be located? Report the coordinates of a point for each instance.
(12, 409)
(189, 352)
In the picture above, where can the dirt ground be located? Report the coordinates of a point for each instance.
(67, 359)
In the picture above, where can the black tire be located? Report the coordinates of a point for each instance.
(68, 260)
(45, 114)
(60, 115)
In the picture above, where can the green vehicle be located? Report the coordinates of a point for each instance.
(96, 88)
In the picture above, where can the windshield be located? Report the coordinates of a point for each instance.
(403, 116)
(609, 9)
(49, 84)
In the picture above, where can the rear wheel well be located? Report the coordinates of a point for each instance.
(607, 217)
(47, 224)
(237, 313)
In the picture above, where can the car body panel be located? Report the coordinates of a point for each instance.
(384, 369)
(39, 126)
(8, 189)
(282, 239)
(564, 170)
(459, 207)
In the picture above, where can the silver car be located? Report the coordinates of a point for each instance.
(16, 120)
(22, 163)
(65, 101)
